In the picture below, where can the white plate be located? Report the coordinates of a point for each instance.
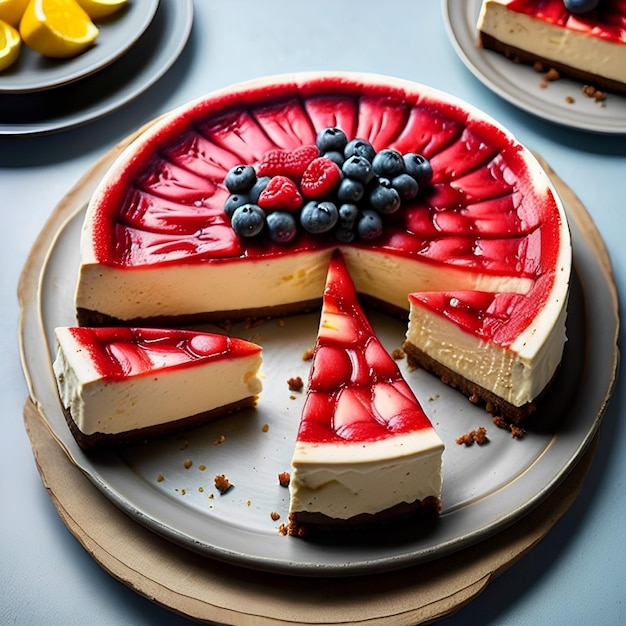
(95, 96)
(485, 488)
(520, 84)
(34, 72)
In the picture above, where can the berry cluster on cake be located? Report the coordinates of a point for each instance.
(293, 193)
(583, 39)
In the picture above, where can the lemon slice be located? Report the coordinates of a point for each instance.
(97, 9)
(11, 11)
(57, 28)
(10, 44)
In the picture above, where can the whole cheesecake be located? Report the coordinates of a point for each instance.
(590, 46)
(119, 385)
(158, 246)
(366, 454)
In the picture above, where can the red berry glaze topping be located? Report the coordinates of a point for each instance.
(356, 391)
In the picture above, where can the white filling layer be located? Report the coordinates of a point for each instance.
(574, 48)
(233, 285)
(348, 479)
(99, 405)
(515, 374)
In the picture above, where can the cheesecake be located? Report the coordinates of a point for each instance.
(366, 454)
(589, 47)
(122, 384)
(158, 246)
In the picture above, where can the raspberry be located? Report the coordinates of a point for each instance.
(281, 193)
(320, 178)
(285, 163)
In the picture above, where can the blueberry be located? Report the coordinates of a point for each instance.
(336, 156)
(383, 197)
(388, 163)
(358, 168)
(331, 139)
(240, 178)
(347, 215)
(281, 226)
(345, 235)
(580, 6)
(406, 186)
(360, 147)
(260, 184)
(350, 190)
(248, 220)
(234, 201)
(369, 225)
(418, 167)
(319, 217)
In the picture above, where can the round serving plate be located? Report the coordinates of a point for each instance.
(79, 102)
(486, 488)
(521, 85)
(118, 33)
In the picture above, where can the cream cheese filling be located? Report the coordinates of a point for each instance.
(346, 479)
(574, 48)
(98, 405)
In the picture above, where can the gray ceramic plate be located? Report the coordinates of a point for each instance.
(485, 488)
(118, 33)
(98, 95)
(519, 84)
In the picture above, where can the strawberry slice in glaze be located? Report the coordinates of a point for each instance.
(356, 391)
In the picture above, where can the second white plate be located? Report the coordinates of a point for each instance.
(34, 72)
(520, 84)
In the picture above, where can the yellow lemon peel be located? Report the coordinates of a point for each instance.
(10, 44)
(57, 28)
(11, 11)
(98, 9)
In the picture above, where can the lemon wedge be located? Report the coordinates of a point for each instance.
(10, 44)
(57, 28)
(11, 11)
(97, 9)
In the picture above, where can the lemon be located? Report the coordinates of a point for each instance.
(57, 28)
(97, 9)
(11, 11)
(10, 44)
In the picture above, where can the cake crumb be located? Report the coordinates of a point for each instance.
(551, 75)
(569, 100)
(398, 354)
(517, 432)
(187, 463)
(220, 440)
(184, 445)
(543, 84)
(283, 529)
(308, 354)
(253, 323)
(478, 436)
(160, 478)
(222, 484)
(539, 67)
(284, 479)
(202, 467)
(275, 516)
(591, 92)
(265, 428)
(295, 383)
(281, 323)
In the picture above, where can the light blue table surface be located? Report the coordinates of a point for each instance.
(576, 575)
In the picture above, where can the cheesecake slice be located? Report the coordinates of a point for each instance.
(126, 384)
(486, 345)
(590, 47)
(366, 454)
